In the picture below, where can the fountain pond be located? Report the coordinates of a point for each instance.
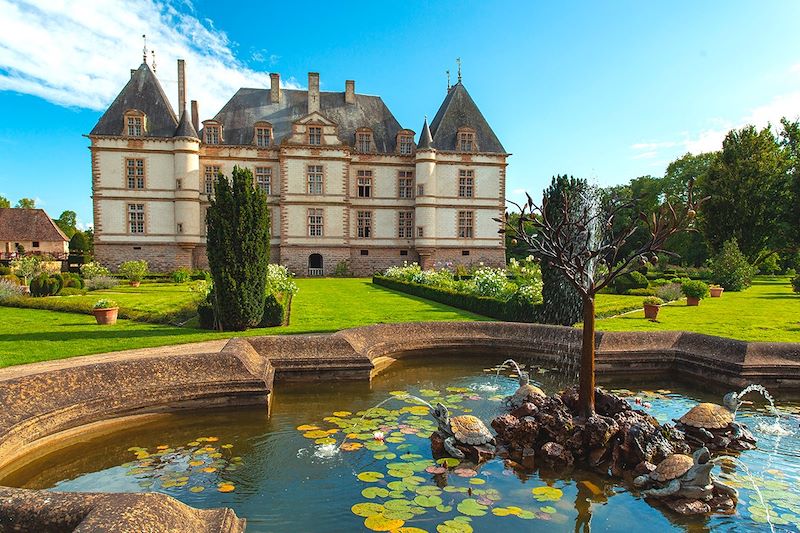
(325, 461)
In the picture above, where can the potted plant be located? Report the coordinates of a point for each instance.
(716, 291)
(105, 311)
(135, 271)
(652, 305)
(694, 290)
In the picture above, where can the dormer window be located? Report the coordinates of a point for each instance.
(135, 123)
(405, 143)
(315, 135)
(212, 132)
(263, 134)
(364, 140)
(466, 140)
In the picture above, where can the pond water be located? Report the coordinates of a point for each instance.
(281, 472)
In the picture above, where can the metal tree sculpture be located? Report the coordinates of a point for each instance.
(584, 242)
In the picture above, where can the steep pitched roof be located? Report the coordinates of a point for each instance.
(144, 93)
(185, 127)
(249, 106)
(28, 225)
(425, 138)
(459, 110)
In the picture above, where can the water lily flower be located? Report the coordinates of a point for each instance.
(379, 436)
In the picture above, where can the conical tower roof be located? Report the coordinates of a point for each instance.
(185, 127)
(425, 138)
(457, 111)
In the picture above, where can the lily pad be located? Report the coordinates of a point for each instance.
(454, 526)
(428, 501)
(477, 481)
(471, 507)
(444, 508)
(549, 509)
(197, 489)
(398, 514)
(367, 509)
(379, 522)
(226, 487)
(449, 462)
(374, 492)
(547, 494)
(385, 455)
(370, 477)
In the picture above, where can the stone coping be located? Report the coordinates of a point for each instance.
(44, 403)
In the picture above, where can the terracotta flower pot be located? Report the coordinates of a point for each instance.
(135, 283)
(716, 292)
(651, 311)
(106, 316)
(691, 300)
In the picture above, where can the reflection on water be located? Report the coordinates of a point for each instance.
(270, 473)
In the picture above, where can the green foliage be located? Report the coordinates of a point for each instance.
(97, 283)
(650, 291)
(342, 269)
(731, 269)
(669, 292)
(79, 243)
(627, 282)
(181, 275)
(134, 270)
(280, 281)
(26, 203)
(695, 289)
(12, 278)
(71, 280)
(45, 285)
(770, 264)
(68, 222)
(71, 291)
(652, 300)
(4, 202)
(199, 274)
(27, 267)
(790, 143)
(93, 270)
(238, 250)
(273, 312)
(205, 315)
(105, 303)
(10, 289)
(4, 270)
(796, 284)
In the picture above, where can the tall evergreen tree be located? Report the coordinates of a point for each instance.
(238, 250)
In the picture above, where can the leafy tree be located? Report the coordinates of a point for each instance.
(238, 250)
(68, 222)
(26, 203)
(4, 203)
(731, 269)
(682, 171)
(749, 193)
(790, 142)
(79, 243)
(770, 265)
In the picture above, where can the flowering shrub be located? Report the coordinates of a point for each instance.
(93, 270)
(492, 282)
(436, 278)
(101, 282)
(135, 271)
(279, 280)
(9, 289)
(105, 303)
(403, 273)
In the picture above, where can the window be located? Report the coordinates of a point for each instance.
(405, 225)
(136, 218)
(211, 173)
(364, 219)
(263, 179)
(403, 252)
(464, 252)
(420, 231)
(405, 184)
(364, 252)
(420, 190)
(466, 183)
(315, 222)
(213, 133)
(204, 221)
(406, 145)
(465, 229)
(180, 227)
(135, 125)
(134, 172)
(35, 244)
(466, 141)
(314, 179)
(263, 135)
(364, 183)
(314, 135)
(364, 141)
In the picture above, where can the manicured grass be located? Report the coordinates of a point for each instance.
(767, 311)
(322, 305)
(607, 305)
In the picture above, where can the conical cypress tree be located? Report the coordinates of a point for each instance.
(238, 250)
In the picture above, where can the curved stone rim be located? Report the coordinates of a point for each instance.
(44, 401)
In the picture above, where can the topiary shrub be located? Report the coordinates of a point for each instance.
(205, 313)
(70, 280)
(695, 289)
(45, 285)
(629, 281)
(273, 313)
(796, 283)
(200, 274)
(181, 275)
(731, 269)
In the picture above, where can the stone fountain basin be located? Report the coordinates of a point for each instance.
(48, 402)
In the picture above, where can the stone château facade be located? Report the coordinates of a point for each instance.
(344, 180)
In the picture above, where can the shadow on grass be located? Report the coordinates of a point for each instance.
(99, 334)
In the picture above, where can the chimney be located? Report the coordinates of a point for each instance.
(181, 86)
(350, 92)
(195, 116)
(313, 92)
(275, 88)
(133, 71)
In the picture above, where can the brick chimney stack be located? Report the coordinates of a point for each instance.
(350, 92)
(313, 92)
(275, 88)
(181, 86)
(195, 116)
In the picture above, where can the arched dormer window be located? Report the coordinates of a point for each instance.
(364, 141)
(262, 134)
(212, 132)
(405, 142)
(465, 141)
(135, 123)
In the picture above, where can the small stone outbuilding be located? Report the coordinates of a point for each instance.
(34, 231)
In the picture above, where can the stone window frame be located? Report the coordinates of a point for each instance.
(210, 192)
(405, 224)
(314, 227)
(314, 136)
(421, 189)
(403, 175)
(364, 183)
(466, 183)
(364, 141)
(465, 224)
(420, 232)
(318, 169)
(266, 184)
(364, 220)
(132, 115)
(209, 127)
(262, 134)
(405, 138)
(135, 176)
(466, 140)
(138, 209)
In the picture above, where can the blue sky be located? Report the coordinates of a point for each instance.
(603, 90)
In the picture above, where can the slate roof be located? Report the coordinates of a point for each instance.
(185, 127)
(142, 92)
(249, 106)
(28, 225)
(459, 110)
(425, 138)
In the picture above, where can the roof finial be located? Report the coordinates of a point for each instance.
(154, 61)
(448, 79)
(144, 49)
(458, 60)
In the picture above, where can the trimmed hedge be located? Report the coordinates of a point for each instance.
(511, 311)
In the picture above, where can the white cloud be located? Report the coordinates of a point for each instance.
(646, 155)
(518, 192)
(80, 53)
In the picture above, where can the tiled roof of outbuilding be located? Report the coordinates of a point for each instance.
(28, 225)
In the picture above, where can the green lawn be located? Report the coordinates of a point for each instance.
(767, 311)
(322, 305)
